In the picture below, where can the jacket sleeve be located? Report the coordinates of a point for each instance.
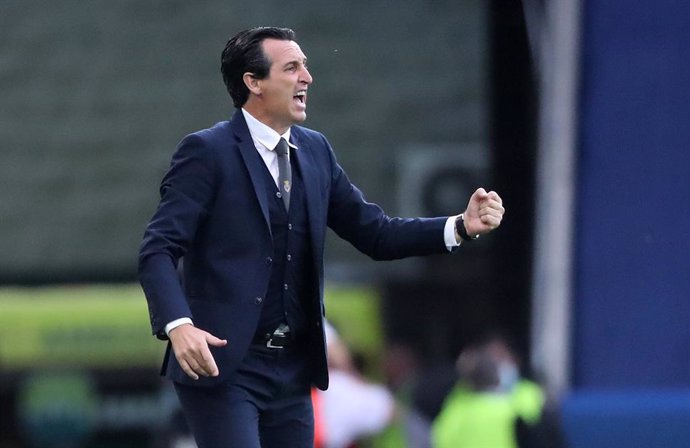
(186, 193)
(370, 230)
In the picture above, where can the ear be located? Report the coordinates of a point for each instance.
(252, 83)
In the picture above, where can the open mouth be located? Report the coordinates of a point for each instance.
(301, 97)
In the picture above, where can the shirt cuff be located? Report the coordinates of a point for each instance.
(176, 323)
(449, 233)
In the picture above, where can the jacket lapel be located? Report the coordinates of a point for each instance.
(252, 161)
(310, 179)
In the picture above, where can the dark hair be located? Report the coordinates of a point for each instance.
(243, 53)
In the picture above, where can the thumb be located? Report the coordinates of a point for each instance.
(214, 341)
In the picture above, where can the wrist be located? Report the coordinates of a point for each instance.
(177, 323)
(461, 233)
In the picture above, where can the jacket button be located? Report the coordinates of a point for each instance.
(258, 300)
(269, 260)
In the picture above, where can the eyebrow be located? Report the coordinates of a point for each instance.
(295, 61)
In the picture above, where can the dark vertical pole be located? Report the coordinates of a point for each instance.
(512, 138)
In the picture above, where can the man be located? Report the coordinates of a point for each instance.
(246, 331)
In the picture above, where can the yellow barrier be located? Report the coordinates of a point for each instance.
(75, 326)
(99, 326)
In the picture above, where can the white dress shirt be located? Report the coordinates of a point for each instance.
(265, 140)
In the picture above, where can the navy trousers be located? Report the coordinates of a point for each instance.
(266, 404)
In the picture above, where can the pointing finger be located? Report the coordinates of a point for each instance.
(214, 341)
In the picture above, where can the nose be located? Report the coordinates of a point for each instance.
(306, 76)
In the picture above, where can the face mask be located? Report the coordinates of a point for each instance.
(507, 376)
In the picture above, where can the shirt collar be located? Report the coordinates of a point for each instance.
(263, 134)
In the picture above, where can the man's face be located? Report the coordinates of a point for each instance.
(282, 96)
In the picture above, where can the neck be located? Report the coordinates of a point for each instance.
(260, 115)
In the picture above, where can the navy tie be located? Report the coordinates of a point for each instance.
(284, 172)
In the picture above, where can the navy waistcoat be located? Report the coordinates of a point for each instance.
(291, 264)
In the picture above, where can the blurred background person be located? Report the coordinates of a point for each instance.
(408, 380)
(492, 405)
(352, 407)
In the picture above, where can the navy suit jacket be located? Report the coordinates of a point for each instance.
(214, 213)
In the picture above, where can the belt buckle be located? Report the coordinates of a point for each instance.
(282, 332)
(269, 344)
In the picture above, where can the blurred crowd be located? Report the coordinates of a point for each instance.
(483, 401)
